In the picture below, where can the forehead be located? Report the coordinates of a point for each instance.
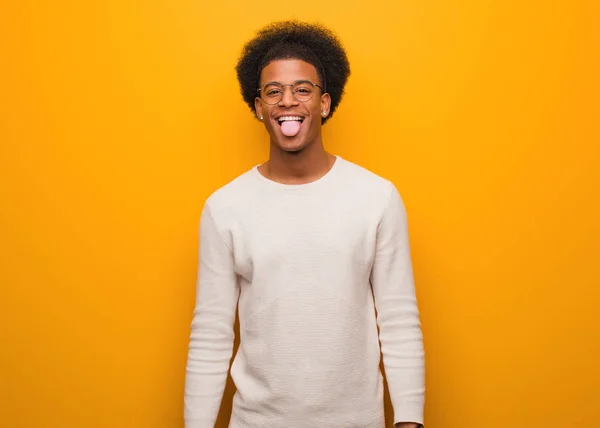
(288, 71)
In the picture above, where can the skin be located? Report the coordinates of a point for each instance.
(302, 158)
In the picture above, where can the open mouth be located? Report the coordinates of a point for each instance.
(290, 125)
(283, 119)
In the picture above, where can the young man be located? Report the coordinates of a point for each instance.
(305, 246)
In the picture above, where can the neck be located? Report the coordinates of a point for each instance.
(309, 164)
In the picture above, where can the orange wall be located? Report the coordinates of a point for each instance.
(119, 118)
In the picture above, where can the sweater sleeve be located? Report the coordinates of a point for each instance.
(398, 315)
(212, 334)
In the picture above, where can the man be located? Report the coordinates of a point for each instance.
(306, 246)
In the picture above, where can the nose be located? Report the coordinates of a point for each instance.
(287, 99)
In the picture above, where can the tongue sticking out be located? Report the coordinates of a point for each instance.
(290, 127)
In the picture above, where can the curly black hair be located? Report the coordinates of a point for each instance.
(312, 43)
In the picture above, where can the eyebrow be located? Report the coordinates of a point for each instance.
(296, 81)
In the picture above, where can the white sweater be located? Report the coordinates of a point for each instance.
(308, 263)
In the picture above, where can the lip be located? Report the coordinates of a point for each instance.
(303, 116)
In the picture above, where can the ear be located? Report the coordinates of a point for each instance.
(325, 104)
(258, 107)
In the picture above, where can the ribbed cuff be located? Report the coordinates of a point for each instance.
(409, 411)
(198, 423)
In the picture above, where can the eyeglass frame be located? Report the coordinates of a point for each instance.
(258, 91)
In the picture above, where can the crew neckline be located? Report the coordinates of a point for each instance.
(277, 184)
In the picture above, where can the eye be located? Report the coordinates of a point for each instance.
(273, 92)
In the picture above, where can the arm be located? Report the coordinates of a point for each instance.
(211, 338)
(398, 315)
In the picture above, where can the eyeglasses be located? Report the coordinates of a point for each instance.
(302, 90)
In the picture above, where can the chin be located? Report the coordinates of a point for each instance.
(292, 145)
(295, 148)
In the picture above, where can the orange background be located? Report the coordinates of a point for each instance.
(119, 118)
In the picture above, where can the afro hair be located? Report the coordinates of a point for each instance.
(312, 43)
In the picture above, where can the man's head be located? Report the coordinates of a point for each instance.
(293, 74)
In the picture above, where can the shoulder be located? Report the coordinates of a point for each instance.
(228, 201)
(367, 184)
(378, 195)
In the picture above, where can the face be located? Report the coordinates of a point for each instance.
(283, 135)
